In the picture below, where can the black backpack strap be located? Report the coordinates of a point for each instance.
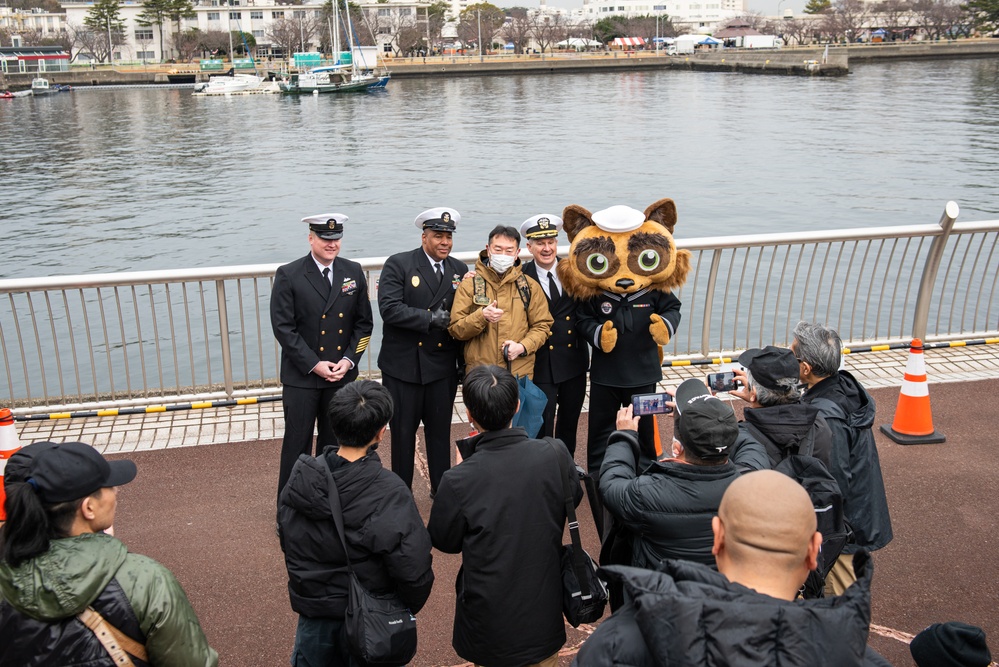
(578, 564)
(333, 496)
(524, 289)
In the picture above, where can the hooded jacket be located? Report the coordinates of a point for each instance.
(504, 510)
(528, 324)
(42, 596)
(388, 543)
(687, 614)
(849, 411)
(783, 429)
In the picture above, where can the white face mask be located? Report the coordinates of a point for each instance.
(500, 263)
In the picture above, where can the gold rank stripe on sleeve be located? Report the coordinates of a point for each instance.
(362, 344)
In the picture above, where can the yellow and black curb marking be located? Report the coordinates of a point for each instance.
(115, 412)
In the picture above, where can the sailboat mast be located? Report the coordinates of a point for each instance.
(350, 37)
(336, 33)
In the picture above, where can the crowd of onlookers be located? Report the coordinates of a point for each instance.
(737, 543)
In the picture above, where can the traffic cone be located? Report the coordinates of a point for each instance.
(9, 445)
(913, 424)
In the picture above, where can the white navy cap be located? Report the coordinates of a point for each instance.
(541, 226)
(327, 226)
(440, 219)
(619, 219)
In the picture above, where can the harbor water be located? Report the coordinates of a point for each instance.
(116, 180)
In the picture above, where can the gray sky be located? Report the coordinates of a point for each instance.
(767, 7)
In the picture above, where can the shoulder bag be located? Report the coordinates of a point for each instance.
(584, 595)
(380, 628)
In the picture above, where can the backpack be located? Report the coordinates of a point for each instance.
(775, 453)
(523, 289)
(827, 500)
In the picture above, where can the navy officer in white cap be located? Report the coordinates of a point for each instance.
(560, 364)
(419, 359)
(322, 319)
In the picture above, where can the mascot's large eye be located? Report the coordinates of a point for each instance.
(648, 260)
(597, 263)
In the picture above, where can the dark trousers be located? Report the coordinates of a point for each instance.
(604, 403)
(320, 642)
(302, 409)
(569, 397)
(431, 403)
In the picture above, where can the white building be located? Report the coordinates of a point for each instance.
(37, 20)
(698, 15)
(250, 16)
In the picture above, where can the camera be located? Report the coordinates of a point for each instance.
(723, 381)
(651, 404)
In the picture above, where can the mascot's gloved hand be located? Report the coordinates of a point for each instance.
(658, 329)
(608, 337)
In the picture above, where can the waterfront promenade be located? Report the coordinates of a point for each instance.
(207, 512)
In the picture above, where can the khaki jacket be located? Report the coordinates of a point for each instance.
(484, 341)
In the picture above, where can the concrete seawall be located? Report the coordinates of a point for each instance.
(798, 61)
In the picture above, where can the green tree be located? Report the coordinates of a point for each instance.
(984, 14)
(606, 29)
(179, 10)
(484, 15)
(104, 18)
(818, 6)
(154, 13)
(437, 17)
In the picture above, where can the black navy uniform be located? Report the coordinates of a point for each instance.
(560, 366)
(632, 367)
(315, 321)
(419, 363)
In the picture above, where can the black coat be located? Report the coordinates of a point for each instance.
(668, 508)
(407, 295)
(503, 509)
(634, 361)
(849, 411)
(565, 354)
(311, 326)
(688, 614)
(388, 543)
(786, 429)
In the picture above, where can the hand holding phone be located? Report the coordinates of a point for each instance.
(651, 404)
(723, 381)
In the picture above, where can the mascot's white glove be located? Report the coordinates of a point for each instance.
(658, 329)
(608, 337)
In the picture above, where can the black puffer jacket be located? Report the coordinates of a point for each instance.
(849, 410)
(784, 429)
(688, 614)
(668, 508)
(389, 545)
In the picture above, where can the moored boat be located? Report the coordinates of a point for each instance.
(333, 79)
(40, 86)
(228, 83)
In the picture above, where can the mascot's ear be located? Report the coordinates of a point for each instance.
(574, 220)
(663, 212)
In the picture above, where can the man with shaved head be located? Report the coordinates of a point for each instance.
(746, 613)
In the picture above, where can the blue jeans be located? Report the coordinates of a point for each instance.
(320, 642)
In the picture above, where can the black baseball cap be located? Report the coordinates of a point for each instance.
(770, 364)
(705, 425)
(18, 468)
(73, 470)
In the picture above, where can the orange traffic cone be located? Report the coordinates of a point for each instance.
(913, 424)
(9, 445)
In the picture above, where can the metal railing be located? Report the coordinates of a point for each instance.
(145, 338)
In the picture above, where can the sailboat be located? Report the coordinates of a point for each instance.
(342, 77)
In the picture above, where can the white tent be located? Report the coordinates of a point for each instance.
(577, 43)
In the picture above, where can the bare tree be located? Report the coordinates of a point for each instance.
(548, 29)
(187, 44)
(284, 33)
(517, 29)
(409, 37)
(936, 17)
(796, 31)
(893, 15)
(846, 20)
(482, 19)
(94, 43)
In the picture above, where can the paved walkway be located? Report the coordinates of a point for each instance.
(264, 421)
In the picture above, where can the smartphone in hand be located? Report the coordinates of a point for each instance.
(723, 381)
(651, 404)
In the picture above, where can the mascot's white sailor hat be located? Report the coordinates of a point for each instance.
(327, 226)
(440, 219)
(618, 219)
(542, 226)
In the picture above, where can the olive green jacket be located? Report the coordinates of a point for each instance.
(64, 580)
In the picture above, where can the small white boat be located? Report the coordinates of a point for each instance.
(228, 83)
(41, 86)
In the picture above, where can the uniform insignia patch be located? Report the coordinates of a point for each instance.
(445, 217)
(415, 281)
(455, 281)
(349, 285)
(606, 307)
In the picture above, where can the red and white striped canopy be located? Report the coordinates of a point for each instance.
(629, 41)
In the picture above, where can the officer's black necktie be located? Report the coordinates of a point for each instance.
(326, 279)
(552, 287)
(440, 274)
